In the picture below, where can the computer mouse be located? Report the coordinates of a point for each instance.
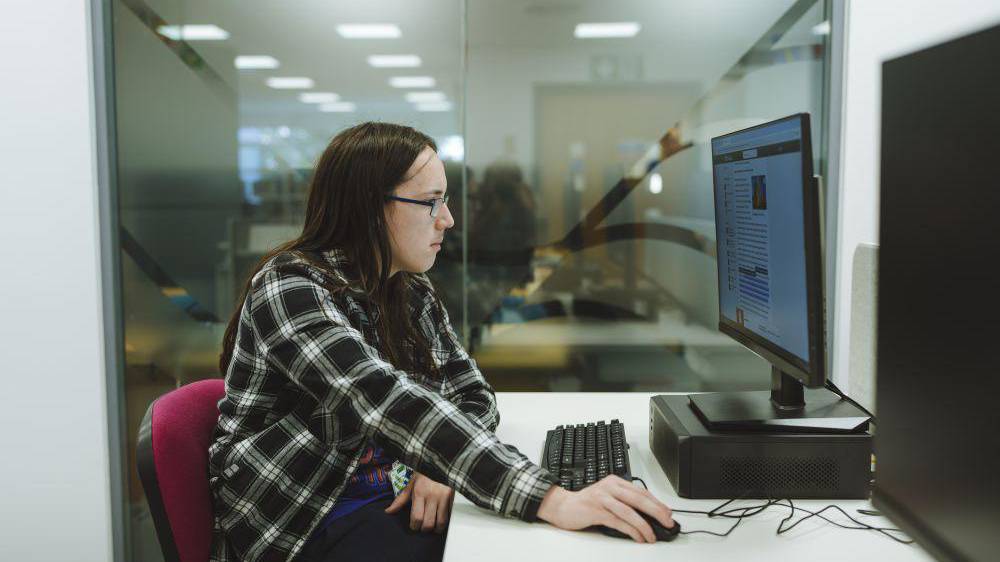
(662, 533)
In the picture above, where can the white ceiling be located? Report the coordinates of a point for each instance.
(684, 41)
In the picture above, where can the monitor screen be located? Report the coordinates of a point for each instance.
(760, 205)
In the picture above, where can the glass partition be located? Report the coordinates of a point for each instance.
(222, 110)
(592, 263)
(575, 264)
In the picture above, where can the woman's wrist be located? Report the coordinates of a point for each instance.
(550, 502)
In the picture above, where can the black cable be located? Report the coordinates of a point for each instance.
(861, 526)
(833, 388)
(740, 513)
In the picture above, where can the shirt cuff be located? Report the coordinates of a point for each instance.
(529, 485)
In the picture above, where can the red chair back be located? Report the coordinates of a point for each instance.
(172, 458)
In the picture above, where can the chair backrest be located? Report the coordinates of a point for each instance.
(172, 458)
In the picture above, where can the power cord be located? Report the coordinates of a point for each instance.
(740, 513)
(833, 388)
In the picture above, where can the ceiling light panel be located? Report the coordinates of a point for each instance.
(412, 82)
(425, 97)
(318, 97)
(255, 62)
(193, 32)
(822, 28)
(606, 30)
(394, 61)
(369, 31)
(290, 83)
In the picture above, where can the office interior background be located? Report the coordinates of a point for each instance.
(147, 166)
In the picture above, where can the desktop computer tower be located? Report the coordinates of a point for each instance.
(704, 464)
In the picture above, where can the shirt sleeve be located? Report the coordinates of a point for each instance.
(306, 338)
(464, 384)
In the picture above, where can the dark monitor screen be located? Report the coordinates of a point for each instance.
(937, 443)
(767, 241)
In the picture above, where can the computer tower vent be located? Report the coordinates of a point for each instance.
(778, 477)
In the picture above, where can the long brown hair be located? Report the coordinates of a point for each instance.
(345, 211)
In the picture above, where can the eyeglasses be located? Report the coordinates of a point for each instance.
(434, 204)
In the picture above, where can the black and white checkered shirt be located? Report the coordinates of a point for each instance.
(308, 388)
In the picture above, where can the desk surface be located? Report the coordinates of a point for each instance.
(669, 330)
(476, 534)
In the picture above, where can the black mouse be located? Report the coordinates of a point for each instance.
(662, 533)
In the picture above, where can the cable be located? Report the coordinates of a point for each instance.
(833, 388)
(740, 513)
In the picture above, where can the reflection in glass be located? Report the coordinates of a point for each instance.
(608, 137)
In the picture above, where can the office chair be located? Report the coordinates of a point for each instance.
(172, 458)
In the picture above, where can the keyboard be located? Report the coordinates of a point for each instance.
(582, 454)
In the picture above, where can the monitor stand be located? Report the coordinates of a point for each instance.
(784, 408)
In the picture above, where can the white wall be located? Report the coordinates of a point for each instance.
(53, 423)
(877, 31)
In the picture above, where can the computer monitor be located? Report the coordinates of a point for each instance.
(937, 446)
(770, 280)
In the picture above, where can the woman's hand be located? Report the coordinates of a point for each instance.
(611, 502)
(431, 509)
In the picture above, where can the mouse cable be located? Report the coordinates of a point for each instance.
(740, 513)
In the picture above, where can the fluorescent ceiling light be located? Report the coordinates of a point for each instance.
(193, 32)
(434, 106)
(254, 62)
(451, 148)
(411, 82)
(655, 183)
(602, 30)
(425, 97)
(318, 97)
(822, 28)
(369, 31)
(394, 61)
(338, 107)
(290, 83)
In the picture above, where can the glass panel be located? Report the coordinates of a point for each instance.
(579, 278)
(214, 164)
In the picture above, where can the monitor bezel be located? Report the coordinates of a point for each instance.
(810, 373)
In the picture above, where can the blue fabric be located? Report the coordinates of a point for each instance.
(369, 482)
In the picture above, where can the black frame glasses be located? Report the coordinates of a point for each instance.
(434, 204)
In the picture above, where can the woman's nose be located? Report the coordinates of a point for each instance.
(444, 218)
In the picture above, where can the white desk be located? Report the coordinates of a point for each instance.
(476, 534)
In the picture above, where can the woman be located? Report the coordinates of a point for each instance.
(341, 362)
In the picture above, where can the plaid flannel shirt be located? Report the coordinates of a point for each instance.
(308, 388)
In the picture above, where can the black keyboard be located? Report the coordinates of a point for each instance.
(582, 454)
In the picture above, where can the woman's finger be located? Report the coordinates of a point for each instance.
(630, 517)
(609, 519)
(633, 497)
(417, 512)
(430, 516)
(443, 515)
(399, 501)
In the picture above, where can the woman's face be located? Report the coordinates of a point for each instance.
(415, 237)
